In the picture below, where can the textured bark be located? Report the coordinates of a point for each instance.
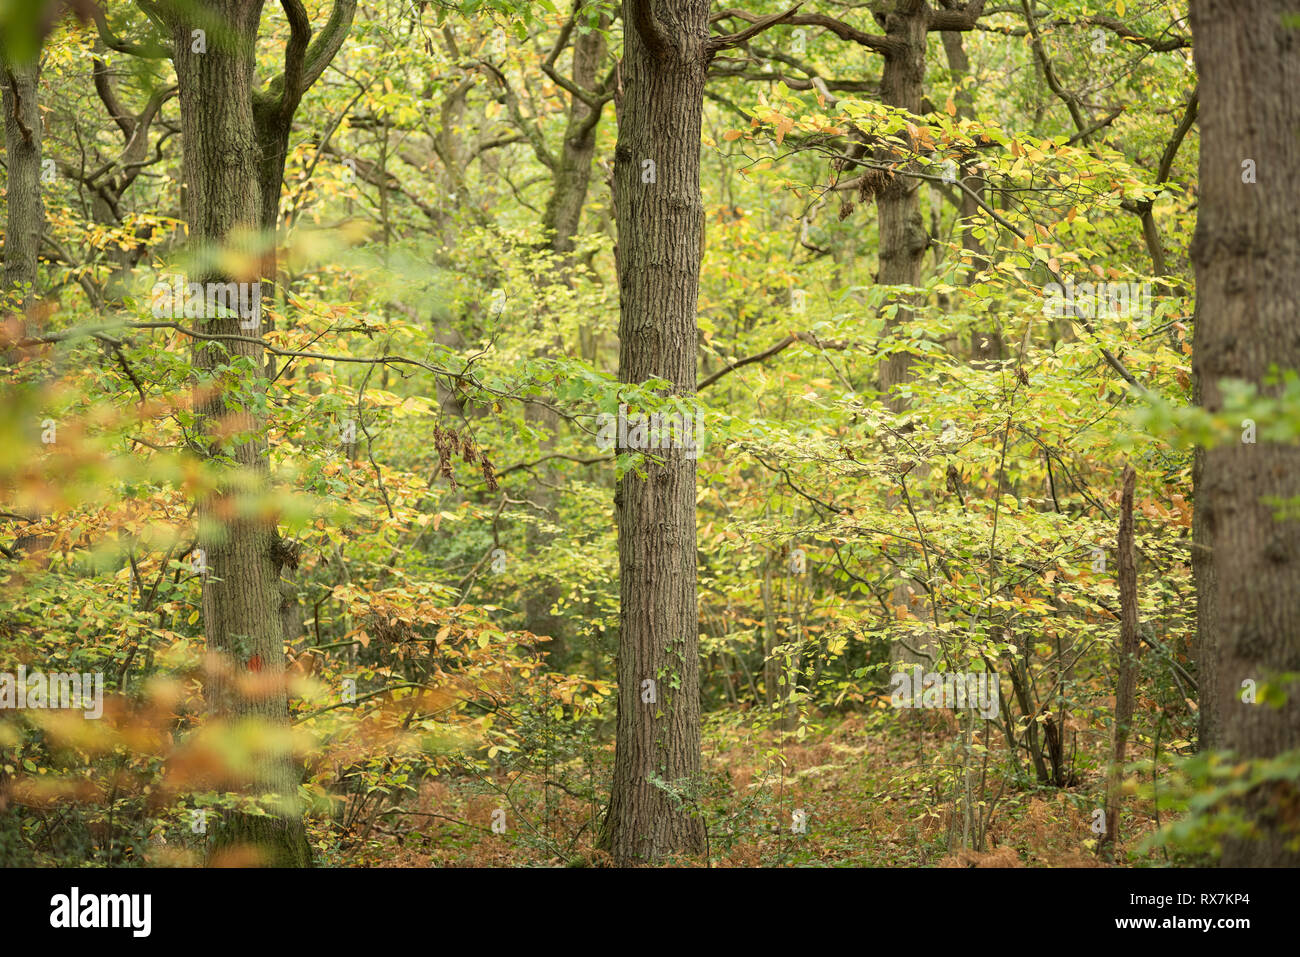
(241, 601)
(903, 239)
(573, 171)
(26, 210)
(273, 113)
(273, 110)
(659, 227)
(1246, 253)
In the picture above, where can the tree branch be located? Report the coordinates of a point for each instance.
(305, 59)
(530, 130)
(328, 41)
(1158, 44)
(871, 41)
(295, 55)
(716, 43)
(956, 20)
(108, 96)
(595, 100)
(1171, 148)
(150, 51)
(785, 343)
(648, 26)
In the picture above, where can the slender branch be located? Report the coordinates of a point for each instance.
(461, 377)
(768, 353)
(1053, 82)
(1165, 43)
(556, 455)
(872, 41)
(1101, 124)
(1171, 148)
(530, 130)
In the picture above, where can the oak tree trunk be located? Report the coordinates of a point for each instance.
(903, 241)
(1246, 253)
(26, 211)
(240, 596)
(660, 216)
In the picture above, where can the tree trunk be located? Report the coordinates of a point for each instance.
(903, 239)
(26, 220)
(573, 172)
(986, 345)
(660, 218)
(1246, 252)
(240, 597)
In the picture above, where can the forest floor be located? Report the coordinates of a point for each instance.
(860, 783)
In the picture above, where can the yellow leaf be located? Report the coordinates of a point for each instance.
(783, 126)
